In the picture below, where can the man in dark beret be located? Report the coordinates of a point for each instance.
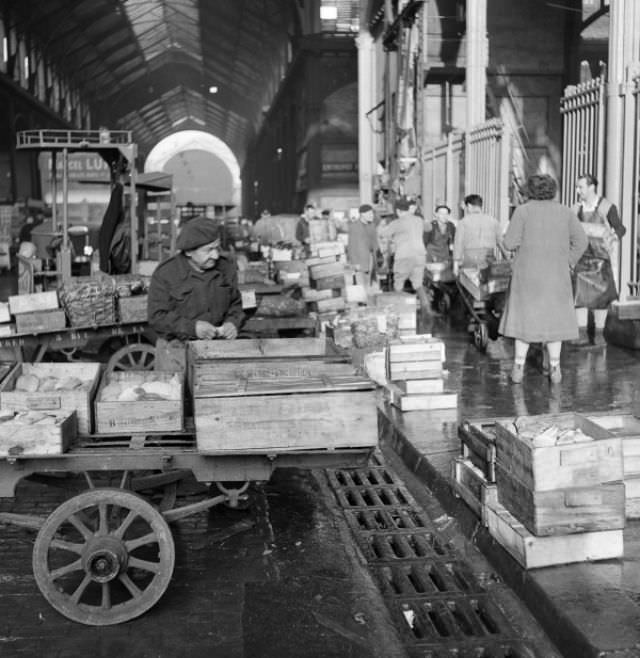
(194, 294)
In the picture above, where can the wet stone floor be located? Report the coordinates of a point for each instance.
(286, 584)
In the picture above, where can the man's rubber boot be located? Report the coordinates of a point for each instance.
(598, 338)
(582, 340)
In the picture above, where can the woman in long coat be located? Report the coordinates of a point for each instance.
(548, 241)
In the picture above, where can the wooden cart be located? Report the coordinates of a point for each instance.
(106, 555)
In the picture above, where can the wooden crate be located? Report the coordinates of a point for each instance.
(208, 350)
(477, 439)
(627, 427)
(329, 282)
(470, 484)
(421, 401)
(564, 510)
(419, 386)
(79, 400)
(132, 309)
(416, 348)
(39, 322)
(115, 417)
(285, 413)
(532, 552)
(325, 270)
(37, 301)
(626, 310)
(327, 305)
(632, 497)
(38, 439)
(560, 466)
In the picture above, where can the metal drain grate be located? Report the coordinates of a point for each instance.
(379, 476)
(479, 649)
(405, 546)
(390, 496)
(370, 520)
(427, 579)
(441, 609)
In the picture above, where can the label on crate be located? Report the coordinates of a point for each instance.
(40, 404)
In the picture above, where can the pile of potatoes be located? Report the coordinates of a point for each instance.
(140, 387)
(32, 383)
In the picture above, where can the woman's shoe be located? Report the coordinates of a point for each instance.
(555, 374)
(517, 373)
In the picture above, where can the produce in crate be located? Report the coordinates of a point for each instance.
(542, 433)
(32, 383)
(10, 419)
(135, 390)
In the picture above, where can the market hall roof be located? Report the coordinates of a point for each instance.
(150, 66)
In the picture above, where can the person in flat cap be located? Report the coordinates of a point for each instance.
(194, 294)
(363, 243)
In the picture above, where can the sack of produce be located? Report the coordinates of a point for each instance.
(281, 306)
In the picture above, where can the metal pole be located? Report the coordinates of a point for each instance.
(366, 90)
(54, 193)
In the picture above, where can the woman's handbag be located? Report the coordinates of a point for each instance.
(593, 283)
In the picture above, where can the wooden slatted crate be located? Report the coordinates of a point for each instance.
(627, 427)
(562, 511)
(126, 417)
(470, 484)
(532, 552)
(560, 466)
(79, 400)
(37, 439)
(325, 412)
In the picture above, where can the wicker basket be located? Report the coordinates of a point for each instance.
(89, 301)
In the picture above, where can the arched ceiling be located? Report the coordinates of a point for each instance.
(148, 65)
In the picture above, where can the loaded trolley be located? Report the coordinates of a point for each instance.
(106, 555)
(483, 292)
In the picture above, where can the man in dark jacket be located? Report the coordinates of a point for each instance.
(194, 294)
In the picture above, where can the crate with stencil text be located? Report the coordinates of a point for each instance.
(132, 401)
(52, 388)
(36, 433)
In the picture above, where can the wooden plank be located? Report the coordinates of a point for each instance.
(397, 375)
(422, 401)
(205, 350)
(563, 510)
(317, 272)
(329, 282)
(37, 301)
(532, 552)
(560, 466)
(307, 421)
(38, 439)
(280, 386)
(38, 322)
(418, 386)
(79, 399)
(311, 295)
(317, 260)
(333, 304)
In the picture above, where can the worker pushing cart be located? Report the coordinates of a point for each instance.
(438, 238)
(482, 279)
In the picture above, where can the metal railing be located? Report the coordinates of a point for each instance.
(583, 120)
(73, 138)
(478, 162)
(442, 173)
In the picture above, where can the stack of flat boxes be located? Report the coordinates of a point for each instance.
(415, 374)
(565, 501)
(37, 313)
(327, 278)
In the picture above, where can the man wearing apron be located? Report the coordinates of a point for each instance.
(193, 295)
(595, 284)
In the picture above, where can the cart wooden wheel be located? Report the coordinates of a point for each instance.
(481, 336)
(103, 557)
(137, 356)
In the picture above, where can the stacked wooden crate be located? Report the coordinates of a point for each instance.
(627, 427)
(415, 374)
(37, 312)
(327, 283)
(560, 490)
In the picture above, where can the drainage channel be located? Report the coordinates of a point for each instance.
(433, 597)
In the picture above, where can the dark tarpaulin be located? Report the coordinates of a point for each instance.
(112, 217)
